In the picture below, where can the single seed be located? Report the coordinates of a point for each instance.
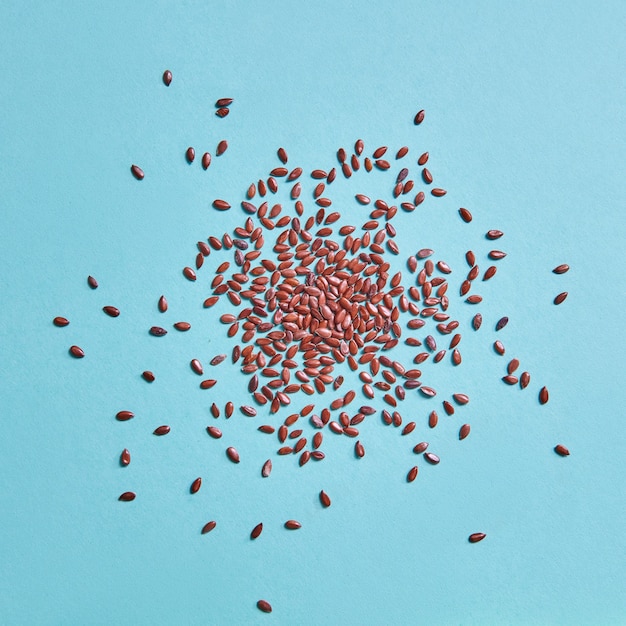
(466, 216)
(420, 447)
(208, 527)
(292, 524)
(214, 432)
(125, 457)
(433, 459)
(222, 146)
(162, 304)
(206, 160)
(148, 376)
(127, 496)
(510, 380)
(476, 537)
(157, 331)
(477, 321)
(124, 416)
(359, 450)
(256, 531)
(137, 172)
(419, 117)
(92, 282)
(167, 78)
(221, 205)
(494, 234)
(561, 269)
(512, 366)
(524, 380)
(232, 454)
(324, 499)
(77, 352)
(266, 470)
(501, 323)
(561, 450)
(496, 255)
(264, 605)
(464, 431)
(190, 154)
(543, 395)
(412, 475)
(60, 321)
(224, 102)
(195, 485)
(560, 298)
(499, 347)
(182, 326)
(161, 430)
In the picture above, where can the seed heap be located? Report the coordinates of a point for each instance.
(327, 298)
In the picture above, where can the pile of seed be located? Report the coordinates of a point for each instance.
(310, 292)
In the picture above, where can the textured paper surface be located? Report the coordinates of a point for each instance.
(525, 128)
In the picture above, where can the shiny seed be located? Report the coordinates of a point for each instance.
(476, 537)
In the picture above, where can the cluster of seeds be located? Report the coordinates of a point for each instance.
(322, 294)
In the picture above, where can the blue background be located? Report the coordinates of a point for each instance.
(525, 128)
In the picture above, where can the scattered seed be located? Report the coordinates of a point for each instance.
(464, 431)
(137, 172)
(190, 155)
(501, 323)
(543, 395)
(167, 78)
(125, 457)
(419, 117)
(476, 537)
(412, 475)
(324, 499)
(561, 450)
(208, 527)
(292, 524)
(92, 282)
(561, 269)
(560, 298)
(127, 496)
(433, 459)
(232, 454)
(264, 605)
(256, 531)
(195, 485)
(266, 470)
(157, 331)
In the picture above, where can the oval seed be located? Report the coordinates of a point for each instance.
(292, 524)
(232, 454)
(264, 605)
(208, 527)
(125, 457)
(60, 321)
(561, 450)
(167, 78)
(127, 496)
(561, 269)
(476, 537)
(77, 352)
(412, 475)
(256, 531)
(324, 499)
(137, 172)
(543, 395)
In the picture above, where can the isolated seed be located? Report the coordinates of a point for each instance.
(502, 322)
(92, 282)
(167, 78)
(111, 311)
(561, 450)
(127, 496)
(412, 475)
(292, 524)
(137, 172)
(561, 269)
(60, 321)
(543, 395)
(206, 160)
(190, 155)
(494, 234)
(232, 454)
(256, 531)
(464, 431)
(161, 430)
(476, 537)
(157, 331)
(214, 432)
(264, 605)
(466, 216)
(266, 470)
(77, 352)
(359, 450)
(324, 499)
(419, 117)
(499, 347)
(560, 298)
(125, 457)
(124, 416)
(148, 376)
(222, 146)
(195, 485)
(208, 527)
(162, 304)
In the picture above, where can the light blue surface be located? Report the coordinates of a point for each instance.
(525, 128)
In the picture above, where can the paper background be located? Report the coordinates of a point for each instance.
(525, 128)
